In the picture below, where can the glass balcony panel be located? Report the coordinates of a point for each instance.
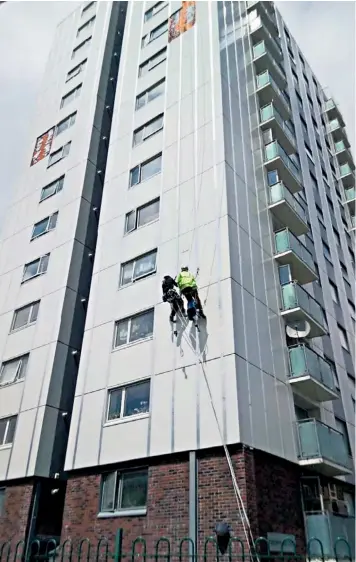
(273, 150)
(278, 192)
(293, 296)
(345, 169)
(319, 440)
(285, 240)
(350, 194)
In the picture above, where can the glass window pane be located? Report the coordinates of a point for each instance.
(159, 31)
(9, 371)
(145, 265)
(31, 270)
(160, 57)
(40, 228)
(3, 425)
(126, 273)
(155, 92)
(137, 399)
(108, 492)
(135, 176)
(53, 221)
(151, 168)
(48, 191)
(134, 489)
(138, 136)
(66, 149)
(153, 127)
(141, 326)
(43, 264)
(115, 397)
(141, 100)
(272, 177)
(148, 213)
(284, 275)
(130, 221)
(21, 317)
(11, 430)
(121, 333)
(22, 368)
(34, 312)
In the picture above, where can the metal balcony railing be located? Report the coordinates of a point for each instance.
(274, 150)
(318, 440)
(294, 296)
(284, 240)
(304, 361)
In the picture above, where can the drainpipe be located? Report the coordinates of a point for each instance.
(193, 496)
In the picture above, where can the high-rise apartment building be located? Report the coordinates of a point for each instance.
(189, 133)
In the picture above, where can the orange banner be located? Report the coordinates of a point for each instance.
(42, 146)
(182, 20)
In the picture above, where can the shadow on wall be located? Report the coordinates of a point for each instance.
(197, 340)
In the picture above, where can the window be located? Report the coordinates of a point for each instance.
(319, 147)
(35, 268)
(334, 293)
(326, 251)
(59, 154)
(343, 337)
(82, 47)
(135, 328)
(76, 70)
(152, 93)
(342, 427)
(142, 215)
(306, 80)
(65, 124)
(14, 370)
(85, 27)
(155, 9)
(138, 268)
(25, 316)
(44, 226)
(314, 182)
(7, 430)
(2, 502)
(87, 7)
(154, 34)
(287, 36)
(309, 98)
(146, 170)
(334, 373)
(148, 130)
(309, 152)
(127, 401)
(72, 95)
(338, 241)
(295, 76)
(299, 98)
(124, 491)
(315, 123)
(272, 177)
(52, 188)
(152, 62)
(285, 275)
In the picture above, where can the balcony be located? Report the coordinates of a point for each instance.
(333, 112)
(337, 130)
(271, 119)
(347, 176)
(263, 60)
(268, 92)
(277, 159)
(290, 251)
(310, 374)
(328, 528)
(298, 306)
(268, 17)
(322, 448)
(350, 198)
(286, 209)
(353, 223)
(259, 32)
(343, 154)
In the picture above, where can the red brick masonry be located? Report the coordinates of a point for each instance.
(269, 487)
(16, 510)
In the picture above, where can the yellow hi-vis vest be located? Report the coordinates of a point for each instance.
(185, 279)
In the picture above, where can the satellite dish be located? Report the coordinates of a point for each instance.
(298, 329)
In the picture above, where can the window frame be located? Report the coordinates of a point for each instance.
(87, 7)
(64, 150)
(8, 419)
(134, 262)
(129, 320)
(343, 338)
(137, 211)
(68, 119)
(153, 11)
(87, 25)
(39, 271)
(145, 93)
(60, 183)
(68, 94)
(80, 67)
(123, 389)
(47, 228)
(147, 62)
(140, 166)
(143, 127)
(334, 292)
(79, 47)
(117, 493)
(147, 39)
(31, 307)
(20, 370)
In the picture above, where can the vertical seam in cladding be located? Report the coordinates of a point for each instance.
(81, 398)
(261, 147)
(246, 186)
(237, 222)
(159, 246)
(218, 231)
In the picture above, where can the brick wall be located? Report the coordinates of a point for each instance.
(16, 512)
(269, 488)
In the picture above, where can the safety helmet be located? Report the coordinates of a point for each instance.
(184, 268)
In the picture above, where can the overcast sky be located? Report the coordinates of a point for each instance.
(325, 32)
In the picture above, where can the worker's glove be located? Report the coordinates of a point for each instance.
(164, 298)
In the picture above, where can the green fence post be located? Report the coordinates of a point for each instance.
(118, 546)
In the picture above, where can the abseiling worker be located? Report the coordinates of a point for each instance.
(188, 287)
